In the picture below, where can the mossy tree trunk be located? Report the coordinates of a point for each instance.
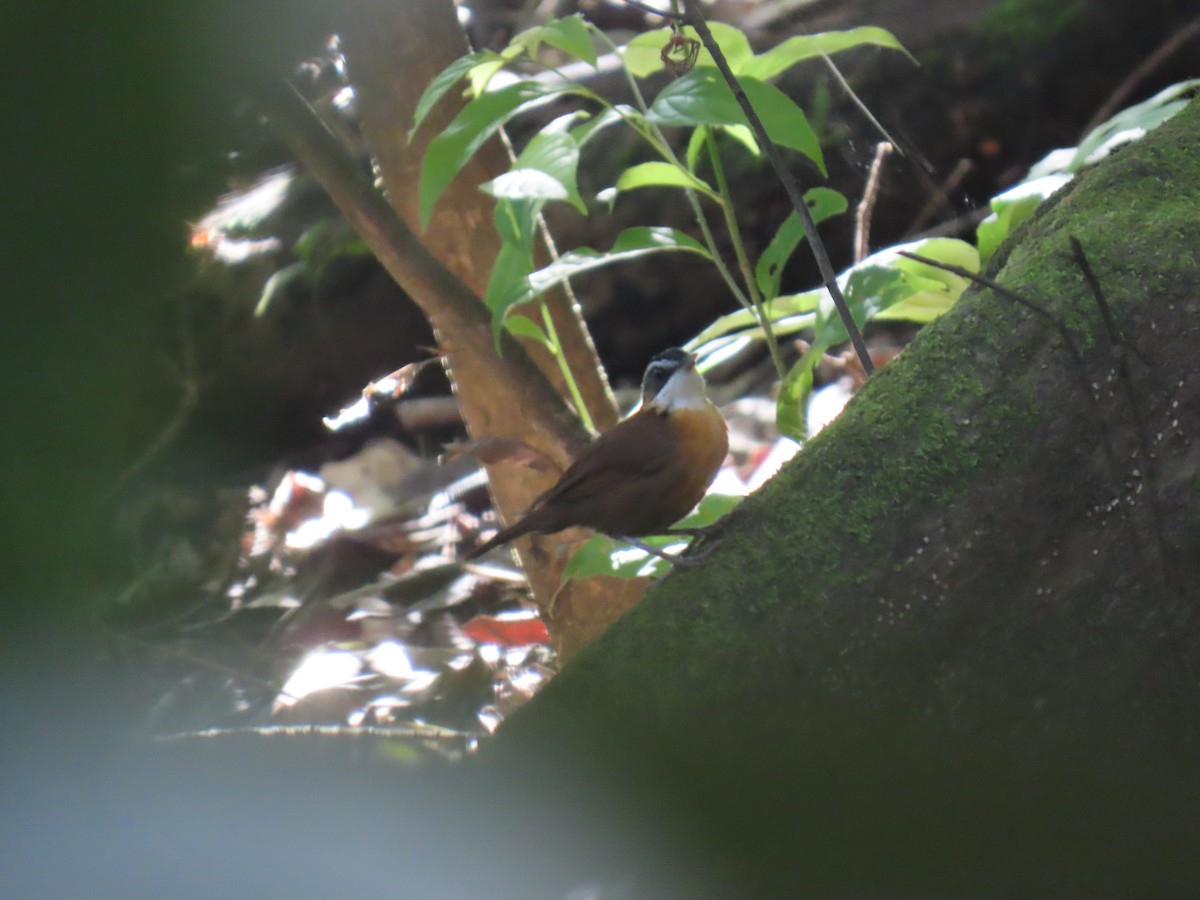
(954, 643)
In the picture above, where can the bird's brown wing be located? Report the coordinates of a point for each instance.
(611, 474)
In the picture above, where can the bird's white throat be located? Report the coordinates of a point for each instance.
(683, 390)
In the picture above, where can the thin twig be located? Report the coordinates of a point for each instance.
(696, 19)
(410, 730)
(551, 247)
(1059, 325)
(1110, 322)
(166, 436)
(857, 101)
(866, 206)
(451, 307)
(941, 195)
(659, 142)
(189, 401)
(739, 250)
(1090, 390)
(1119, 347)
(177, 653)
(1141, 72)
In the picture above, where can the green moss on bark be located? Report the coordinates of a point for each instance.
(896, 476)
(967, 607)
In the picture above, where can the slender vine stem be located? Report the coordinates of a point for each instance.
(654, 136)
(693, 17)
(739, 249)
(561, 359)
(555, 346)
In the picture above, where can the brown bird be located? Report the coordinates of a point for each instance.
(646, 472)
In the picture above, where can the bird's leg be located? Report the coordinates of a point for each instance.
(709, 534)
(699, 531)
(676, 559)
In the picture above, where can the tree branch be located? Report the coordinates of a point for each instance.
(452, 308)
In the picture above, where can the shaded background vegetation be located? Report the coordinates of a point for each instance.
(118, 119)
(120, 122)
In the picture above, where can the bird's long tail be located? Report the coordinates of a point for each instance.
(503, 536)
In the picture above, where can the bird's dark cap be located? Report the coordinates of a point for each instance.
(661, 368)
(673, 355)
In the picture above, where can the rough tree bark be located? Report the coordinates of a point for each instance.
(393, 51)
(954, 644)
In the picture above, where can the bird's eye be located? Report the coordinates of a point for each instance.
(656, 377)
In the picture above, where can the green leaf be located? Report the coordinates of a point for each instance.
(950, 251)
(481, 76)
(445, 80)
(822, 204)
(630, 244)
(569, 34)
(885, 286)
(695, 145)
(307, 246)
(643, 239)
(793, 394)
(1015, 205)
(734, 44)
(889, 286)
(932, 290)
(325, 241)
(602, 555)
(516, 222)
(921, 307)
(796, 304)
(703, 98)
(712, 507)
(789, 314)
(782, 57)
(277, 283)
(744, 136)
(781, 327)
(740, 133)
(545, 170)
(643, 54)
(523, 326)
(477, 121)
(525, 184)
(1007, 214)
(868, 288)
(660, 174)
(611, 116)
(510, 270)
(1131, 123)
(728, 324)
(555, 153)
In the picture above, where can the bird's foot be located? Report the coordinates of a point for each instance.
(685, 558)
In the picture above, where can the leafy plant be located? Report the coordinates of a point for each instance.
(1015, 205)
(887, 286)
(601, 555)
(545, 170)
